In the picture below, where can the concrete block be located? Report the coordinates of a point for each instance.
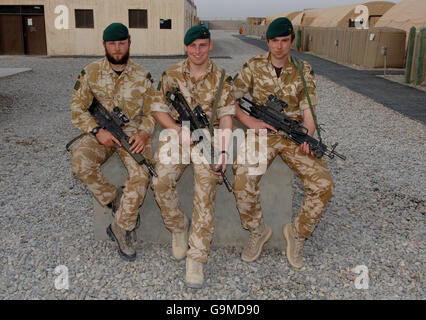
(276, 198)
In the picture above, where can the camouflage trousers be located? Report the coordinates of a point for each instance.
(87, 157)
(202, 226)
(313, 173)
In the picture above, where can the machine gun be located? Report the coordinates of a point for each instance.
(271, 113)
(113, 122)
(197, 120)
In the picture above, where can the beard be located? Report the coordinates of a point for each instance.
(123, 59)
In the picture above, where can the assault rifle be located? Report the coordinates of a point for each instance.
(271, 113)
(197, 120)
(113, 122)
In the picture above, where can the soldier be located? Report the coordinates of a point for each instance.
(274, 73)
(114, 81)
(198, 79)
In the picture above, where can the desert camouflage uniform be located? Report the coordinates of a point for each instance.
(133, 93)
(259, 79)
(200, 92)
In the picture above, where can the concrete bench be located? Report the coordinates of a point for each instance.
(276, 199)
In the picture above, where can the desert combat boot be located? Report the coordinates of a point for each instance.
(294, 245)
(180, 241)
(124, 241)
(258, 237)
(194, 274)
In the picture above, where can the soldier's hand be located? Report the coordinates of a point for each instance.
(185, 137)
(304, 148)
(221, 164)
(138, 142)
(106, 138)
(260, 127)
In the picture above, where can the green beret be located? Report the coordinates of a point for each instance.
(115, 32)
(194, 33)
(280, 27)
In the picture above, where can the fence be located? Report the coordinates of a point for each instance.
(362, 47)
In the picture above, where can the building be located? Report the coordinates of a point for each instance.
(74, 27)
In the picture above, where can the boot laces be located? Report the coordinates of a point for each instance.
(253, 239)
(298, 243)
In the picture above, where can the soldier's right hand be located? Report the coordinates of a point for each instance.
(258, 125)
(106, 138)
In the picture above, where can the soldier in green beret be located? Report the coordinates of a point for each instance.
(275, 72)
(198, 78)
(115, 81)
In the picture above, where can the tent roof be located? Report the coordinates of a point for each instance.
(339, 16)
(404, 15)
(333, 16)
(289, 15)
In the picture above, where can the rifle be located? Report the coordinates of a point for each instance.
(197, 120)
(271, 113)
(113, 122)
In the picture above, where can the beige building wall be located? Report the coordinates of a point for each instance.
(86, 41)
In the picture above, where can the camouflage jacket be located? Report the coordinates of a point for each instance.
(259, 79)
(200, 92)
(132, 92)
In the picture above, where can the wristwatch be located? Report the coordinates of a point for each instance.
(95, 130)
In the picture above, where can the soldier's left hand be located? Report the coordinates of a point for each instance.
(138, 142)
(304, 148)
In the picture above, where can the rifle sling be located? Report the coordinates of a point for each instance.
(216, 102)
(72, 141)
(298, 65)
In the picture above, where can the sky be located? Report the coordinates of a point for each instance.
(241, 9)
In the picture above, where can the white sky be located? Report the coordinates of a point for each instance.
(241, 9)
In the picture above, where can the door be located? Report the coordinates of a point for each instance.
(11, 34)
(34, 35)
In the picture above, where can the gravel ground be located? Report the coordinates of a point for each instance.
(376, 217)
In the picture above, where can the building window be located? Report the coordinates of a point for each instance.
(84, 18)
(165, 23)
(138, 18)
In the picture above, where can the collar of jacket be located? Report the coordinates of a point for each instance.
(286, 69)
(186, 71)
(106, 67)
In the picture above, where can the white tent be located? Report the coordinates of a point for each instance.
(404, 15)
